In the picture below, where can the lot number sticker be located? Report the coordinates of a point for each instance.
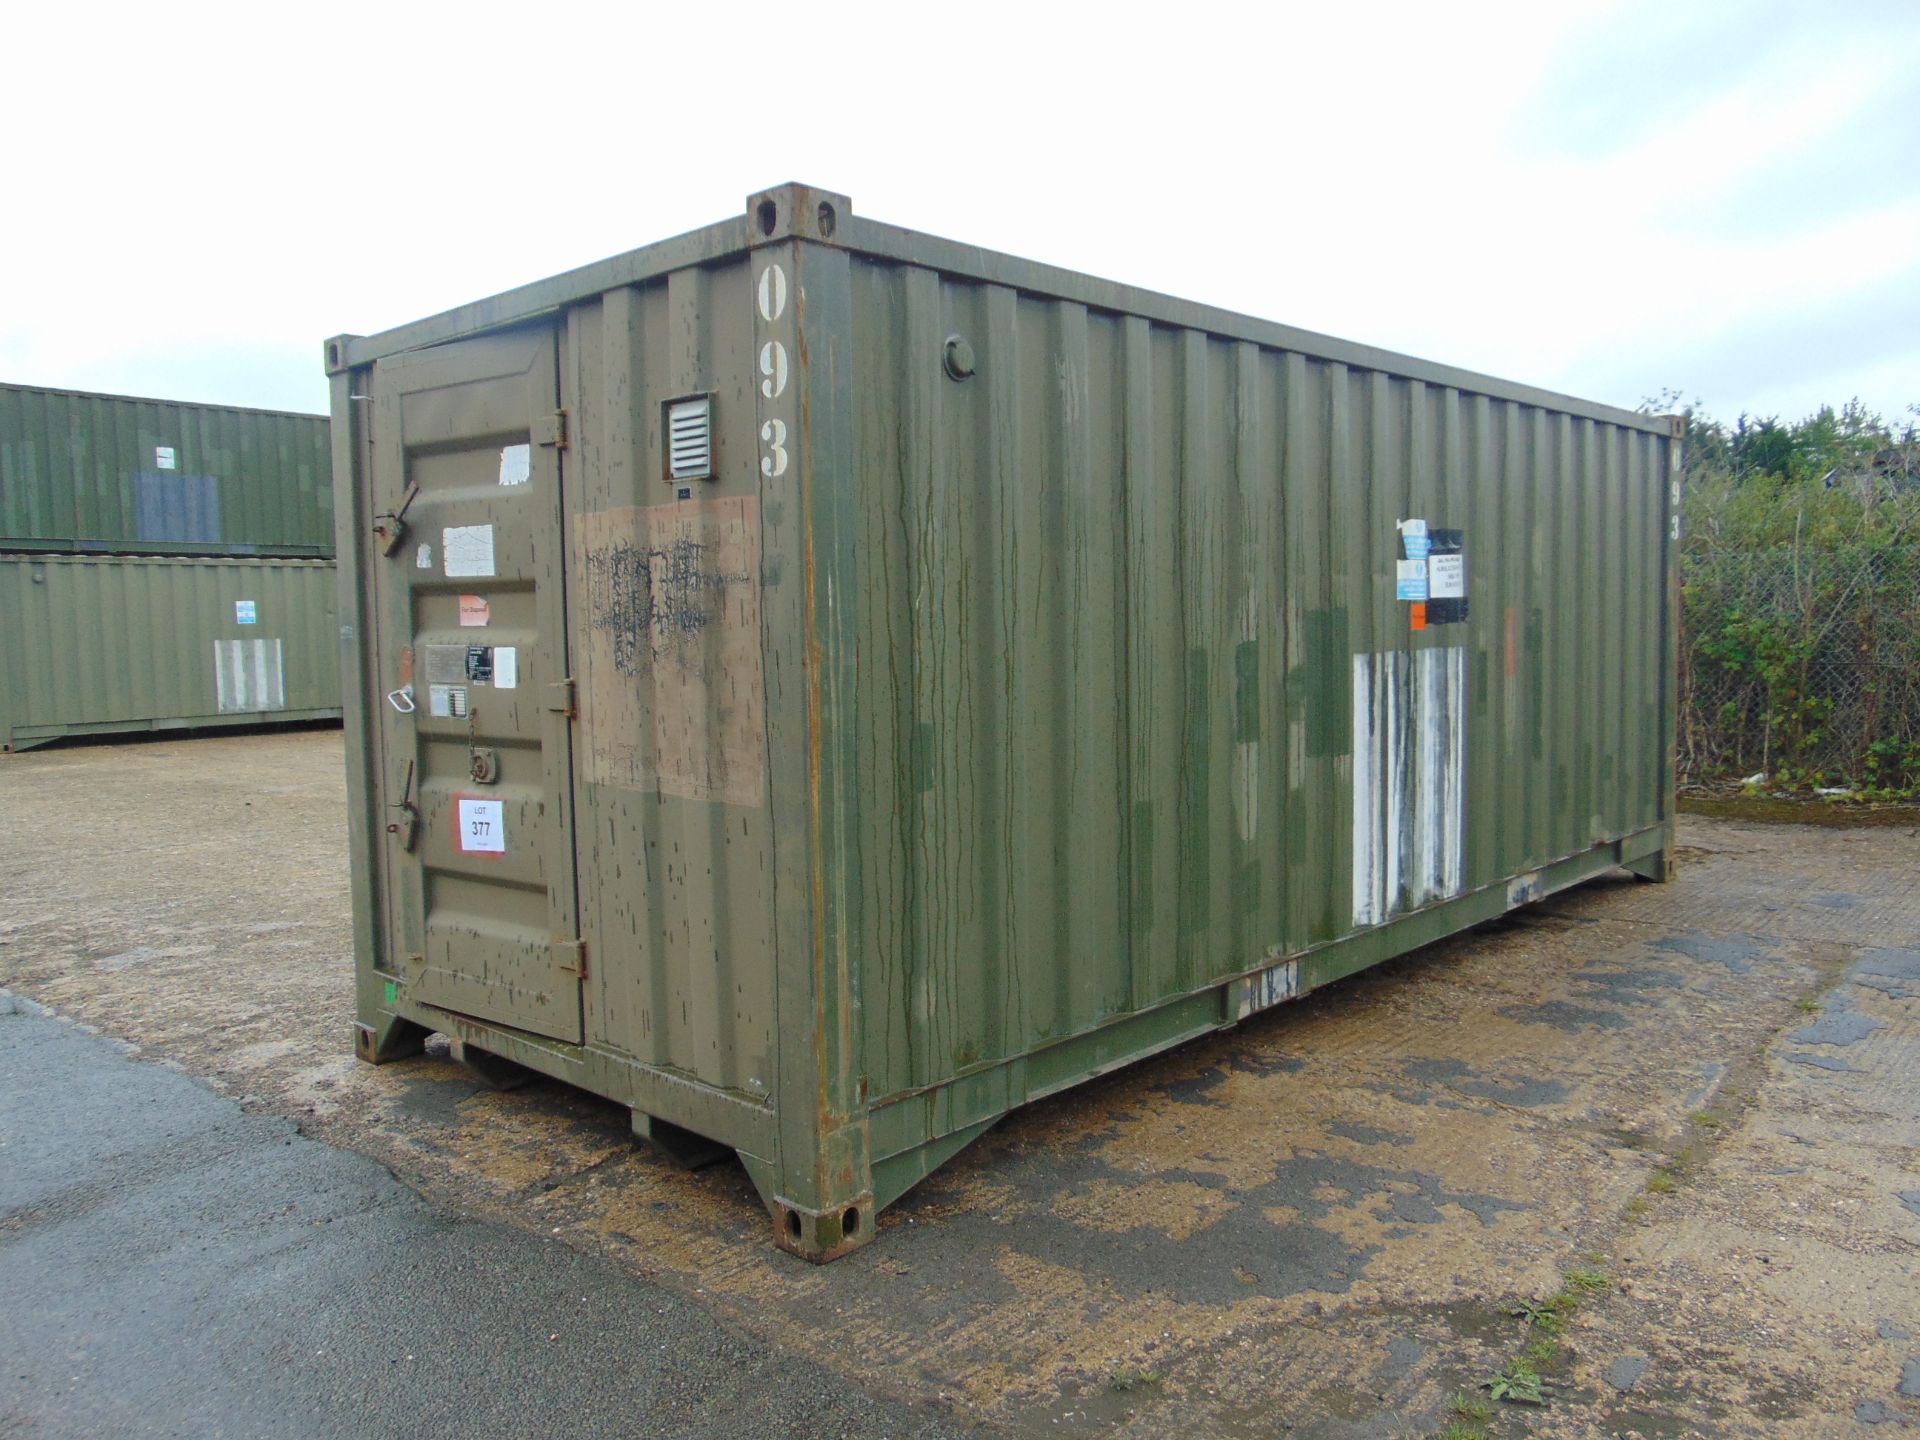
(483, 827)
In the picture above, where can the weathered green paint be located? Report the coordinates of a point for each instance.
(99, 644)
(1088, 715)
(83, 472)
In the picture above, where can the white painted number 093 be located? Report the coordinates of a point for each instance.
(770, 296)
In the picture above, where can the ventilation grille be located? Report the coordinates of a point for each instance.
(690, 439)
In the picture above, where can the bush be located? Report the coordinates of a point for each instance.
(1800, 601)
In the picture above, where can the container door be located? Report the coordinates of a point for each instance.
(466, 560)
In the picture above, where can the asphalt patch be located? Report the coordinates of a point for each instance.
(1825, 1062)
(1403, 1353)
(1624, 1373)
(1284, 1258)
(1194, 1089)
(1837, 1027)
(1736, 952)
(1521, 1090)
(1894, 973)
(236, 1278)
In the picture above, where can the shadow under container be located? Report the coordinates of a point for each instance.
(824, 687)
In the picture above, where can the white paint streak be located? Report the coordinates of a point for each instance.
(1439, 824)
(1409, 780)
(1366, 803)
(1396, 760)
(249, 676)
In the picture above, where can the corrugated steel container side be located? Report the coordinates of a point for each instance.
(115, 474)
(1089, 717)
(1138, 710)
(99, 644)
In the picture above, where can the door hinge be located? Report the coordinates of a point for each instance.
(571, 956)
(551, 430)
(564, 704)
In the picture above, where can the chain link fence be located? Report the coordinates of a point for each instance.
(1800, 642)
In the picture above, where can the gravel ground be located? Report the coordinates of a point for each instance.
(1698, 1099)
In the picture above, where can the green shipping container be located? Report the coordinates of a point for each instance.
(93, 645)
(824, 686)
(111, 474)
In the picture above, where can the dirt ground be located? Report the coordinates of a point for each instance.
(1683, 1121)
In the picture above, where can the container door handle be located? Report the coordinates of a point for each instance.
(402, 700)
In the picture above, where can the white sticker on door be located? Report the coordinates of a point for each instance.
(516, 464)
(423, 557)
(1448, 576)
(468, 548)
(482, 826)
(506, 667)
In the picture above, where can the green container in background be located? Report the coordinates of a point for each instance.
(94, 645)
(113, 474)
(824, 686)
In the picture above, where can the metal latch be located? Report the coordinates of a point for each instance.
(571, 956)
(551, 430)
(407, 827)
(565, 704)
(390, 527)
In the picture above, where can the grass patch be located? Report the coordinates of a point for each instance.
(1811, 1006)
(1518, 1384)
(1586, 1279)
(1128, 1378)
(1463, 1430)
(1775, 810)
(1544, 1354)
(1662, 1181)
(1470, 1407)
(1707, 1120)
(1636, 1210)
(1521, 1382)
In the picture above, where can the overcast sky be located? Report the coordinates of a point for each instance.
(1598, 197)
